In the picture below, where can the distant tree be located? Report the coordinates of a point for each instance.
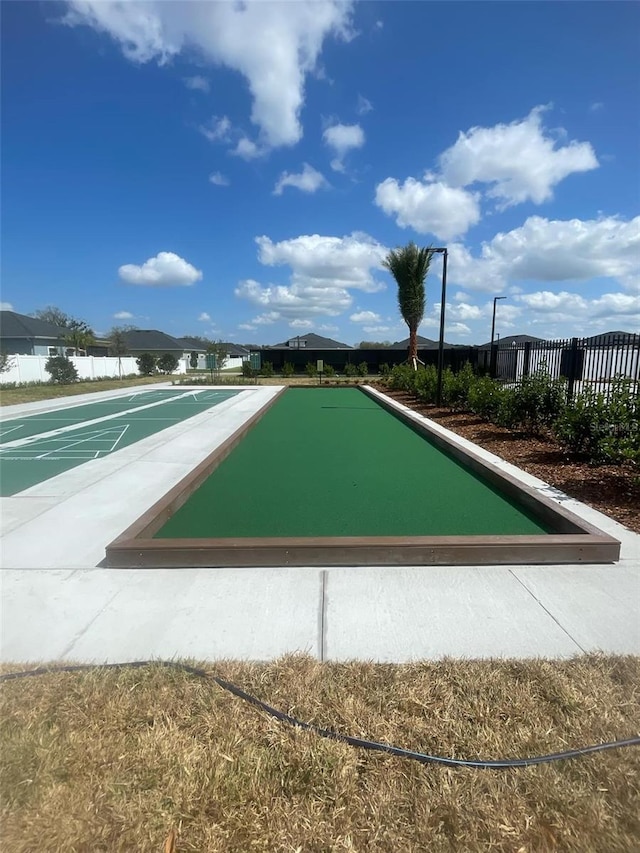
(219, 351)
(61, 370)
(54, 315)
(374, 344)
(409, 266)
(5, 361)
(79, 336)
(193, 360)
(118, 344)
(167, 363)
(146, 364)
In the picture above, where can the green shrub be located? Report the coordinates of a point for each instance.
(384, 370)
(146, 364)
(266, 369)
(424, 383)
(311, 369)
(350, 369)
(539, 400)
(329, 370)
(287, 369)
(484, 397)
(363, 369)
(61, 370)
(248, 371)
(193, 360)
(602, 430)
(402, 377)
(167, 363)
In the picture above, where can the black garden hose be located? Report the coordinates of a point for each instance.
(423, 758)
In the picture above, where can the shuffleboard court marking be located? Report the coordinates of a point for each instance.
(4, 432)
(24, 442)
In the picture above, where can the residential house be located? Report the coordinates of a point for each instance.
(23, 335)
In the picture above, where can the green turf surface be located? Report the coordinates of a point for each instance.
(37, 459)
(332, 462)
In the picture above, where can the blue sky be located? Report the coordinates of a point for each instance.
(240, 170)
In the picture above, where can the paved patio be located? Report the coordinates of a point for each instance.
(59, 604)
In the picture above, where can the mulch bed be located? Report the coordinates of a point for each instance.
(612, 489)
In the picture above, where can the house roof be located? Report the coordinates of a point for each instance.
(423, 343)
(14, 325)
(312, 341)
(236, 350)
(607, 337)
(151, 340)
(192, 344)
(512, 339)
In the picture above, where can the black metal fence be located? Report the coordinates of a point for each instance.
(584, 362)
(454, 357)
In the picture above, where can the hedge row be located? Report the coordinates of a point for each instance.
(591, 426)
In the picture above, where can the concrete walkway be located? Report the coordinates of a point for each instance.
(57, 604)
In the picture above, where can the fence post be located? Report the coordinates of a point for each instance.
(493, 361)
(527, 358)
(573, 363)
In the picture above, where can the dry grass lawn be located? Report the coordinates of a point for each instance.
(126, 760)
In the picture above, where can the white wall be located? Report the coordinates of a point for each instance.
(30, 368)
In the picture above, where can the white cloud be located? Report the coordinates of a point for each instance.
(204, 317)
(324, 271)
(247, 149)
(123, 315)
(365, 317)
(520, 161)
(552, 251)
(309, 180)
(377, 330)
(197, 83)
(301, 324)
(429, 207)
(342, 138)
(596, 106)
(247, 327)
(6, 306)
(165, 270)
(218, 179)
(273, 45)
(218, 129)
(572, 307)
(364, 106)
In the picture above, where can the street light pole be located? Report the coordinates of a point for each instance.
(442, 250)
(493, 321)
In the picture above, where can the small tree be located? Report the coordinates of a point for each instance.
(219, 351)
(287, 369)
(167, 363)
(146, 364)
(266, 370)
(5, 361)
(311, 369)
(118, 345)
(79, 335)
(409, 266)
(61, 370)
(193, 361)
(363, 369)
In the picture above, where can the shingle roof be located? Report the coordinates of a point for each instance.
(423, 343)
(14, 325)
(236, 350)
(192, 344)
(312, 341)
(511, 339)
(151, 340)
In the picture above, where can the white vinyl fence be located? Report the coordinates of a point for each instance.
(30, 368)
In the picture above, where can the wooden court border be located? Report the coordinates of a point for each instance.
(574, 540)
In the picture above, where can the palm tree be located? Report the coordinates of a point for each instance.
(409, 266)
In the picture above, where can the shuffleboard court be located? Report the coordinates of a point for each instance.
(39, 447)
(333, 462)
(24, 427)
